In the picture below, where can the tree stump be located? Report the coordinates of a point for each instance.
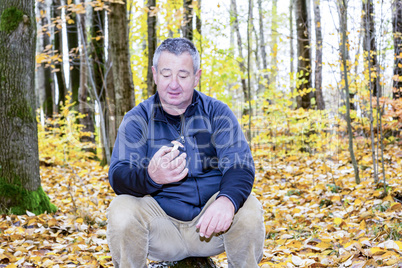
(196, 262)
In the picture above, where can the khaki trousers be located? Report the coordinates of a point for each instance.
(138, 229)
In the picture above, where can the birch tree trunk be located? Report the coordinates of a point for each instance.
(58, 49)
(20, 185)
(45, 83)
(72, 37)
(85, 106)
(242, 66)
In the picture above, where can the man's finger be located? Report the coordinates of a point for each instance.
(180, 176)
(179, 161)
(163, 151)
(204, 225)
(199, 221)
(171, 155)
(211, 227)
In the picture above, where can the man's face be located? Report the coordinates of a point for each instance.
(175, 81)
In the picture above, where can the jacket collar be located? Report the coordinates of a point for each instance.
(159, 113)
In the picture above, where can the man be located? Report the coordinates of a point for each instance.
(183, 173)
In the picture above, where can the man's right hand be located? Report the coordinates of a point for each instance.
(166, 166)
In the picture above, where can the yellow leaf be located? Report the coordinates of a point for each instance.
(296, 210)
(323, 245)
(395, 207)
(358, 201)
(79, 220)
(294, 244)
(388, 198)
(338, 221)
(70, 21)
(362, 225)
(377, 251)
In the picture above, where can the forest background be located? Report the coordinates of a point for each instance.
(316, 86)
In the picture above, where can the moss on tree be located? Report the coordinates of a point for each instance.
(25, 113)
(10, 19)
(22, 199)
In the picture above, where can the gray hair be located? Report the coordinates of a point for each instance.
(178, 46)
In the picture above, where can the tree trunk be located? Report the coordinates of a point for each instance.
(246, 110)
(343, 21)
(85, 106)
(151, 21)
(397, 30)
(369, 46)
(198, 27)
(58, 49)
(187, 27)
(98, 67)
(119, 54)
(292, 51)
(369, 49)
(318, 61)
(303, 55)
(340, 6)
(72, 37)
(111, 124)
(249, 28)
(198, 22)
(262, 43)
(45, 82)
(274, 44)
(20, 187)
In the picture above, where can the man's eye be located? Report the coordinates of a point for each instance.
(183, 76)
(166, 75)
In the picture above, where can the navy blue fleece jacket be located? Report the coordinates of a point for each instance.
(218, 156)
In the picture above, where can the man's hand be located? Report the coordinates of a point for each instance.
(217, 218)
(166, 166)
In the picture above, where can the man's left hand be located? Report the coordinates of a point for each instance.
(217, 218)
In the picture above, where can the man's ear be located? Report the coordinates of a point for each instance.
(154, 74)
(197, 77)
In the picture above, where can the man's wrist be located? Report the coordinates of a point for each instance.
(226, 200)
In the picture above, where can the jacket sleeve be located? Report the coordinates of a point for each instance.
(235, 159)
(128, 172)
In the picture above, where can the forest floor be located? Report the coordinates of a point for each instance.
(315, 215)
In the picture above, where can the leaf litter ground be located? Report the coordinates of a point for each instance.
(315, 216)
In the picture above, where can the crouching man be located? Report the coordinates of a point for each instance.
(183, 173)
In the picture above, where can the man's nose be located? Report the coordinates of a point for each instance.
(174, 83)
